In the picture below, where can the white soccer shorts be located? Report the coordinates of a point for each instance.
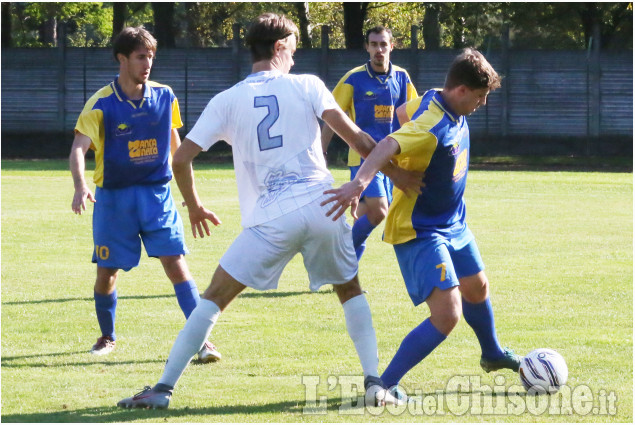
(259, 254)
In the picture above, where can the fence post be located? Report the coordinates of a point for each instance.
(324, 57)
(236, 51)
(595, 110)
(414, 57)
(61, 76)
(505, 85)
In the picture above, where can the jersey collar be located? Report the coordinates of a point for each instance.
(381, 77)
(122, 97)
(438, 100)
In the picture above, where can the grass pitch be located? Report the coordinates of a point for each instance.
(558, 253)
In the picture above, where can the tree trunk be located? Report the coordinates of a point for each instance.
(164, 24)
(48, 32)
(302, 9)
(6, 25)
(354, 16)
(118, 17)
(431, 26)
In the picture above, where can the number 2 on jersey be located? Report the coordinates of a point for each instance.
(265, 140)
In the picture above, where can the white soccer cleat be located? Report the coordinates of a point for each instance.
(377, 395)
(208, 353)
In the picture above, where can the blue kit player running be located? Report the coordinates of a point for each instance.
(370, 94)
(131, 124)
(436, 251)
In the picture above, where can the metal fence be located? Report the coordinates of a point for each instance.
(574, 94)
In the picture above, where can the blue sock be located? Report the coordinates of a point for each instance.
(415, 347)
(361, 231)
(481, 318)
(105, 306)
(187, 296)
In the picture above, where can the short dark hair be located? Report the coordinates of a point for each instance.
(471, 69)
(378, 30)
(265, 30)
(132, 38)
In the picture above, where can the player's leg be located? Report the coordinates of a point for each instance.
(188, 298)
(105, 294)
(429, 275)
(477, 308)
(328, 254)
(375, 202)
(117, 246)
(222, 290)
(269, 248)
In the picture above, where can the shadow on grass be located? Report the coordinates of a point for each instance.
(88, 299)
(281, 294)
(348, 407)
(268, 294)
(115, 414)
(17, 361)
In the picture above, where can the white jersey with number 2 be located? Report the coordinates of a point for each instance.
(270, 120)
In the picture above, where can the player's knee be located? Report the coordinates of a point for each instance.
(377, 215)
(447, 320)
(348, 290)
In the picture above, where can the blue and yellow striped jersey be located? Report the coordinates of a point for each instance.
(131, 138)
(370, 99)
(437, 142)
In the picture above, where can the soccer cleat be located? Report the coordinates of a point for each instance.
(509, 361)
(377, 395)
(398, 394)
(104, 345)
(148, 398)
(208, 353)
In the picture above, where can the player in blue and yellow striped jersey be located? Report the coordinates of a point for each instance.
(370, 94)
(131, 124)
(436, 251)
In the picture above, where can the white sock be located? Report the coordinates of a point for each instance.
(190, 340)
(359, 325)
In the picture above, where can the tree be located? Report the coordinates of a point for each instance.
(302, 11)
(164, 24)
(354, 16)
(6, 25)
(118, 17)
(431, 26)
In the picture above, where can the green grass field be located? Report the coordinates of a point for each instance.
(558, 253)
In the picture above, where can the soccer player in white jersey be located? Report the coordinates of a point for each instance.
(271, 121)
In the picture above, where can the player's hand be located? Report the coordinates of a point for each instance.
(346, 195)
(198, 220)
(79, 199)
(409, 182)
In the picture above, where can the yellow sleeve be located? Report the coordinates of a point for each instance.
(343, 94)
(412, 106)
(411, 91)
(91, 123)
(176, 114)
(416, 142)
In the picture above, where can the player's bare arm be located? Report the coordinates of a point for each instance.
(175, 141)
(77, 164)
(402, 114)
(348, 194)
(327, 135)
(184, 176)
(363, 143)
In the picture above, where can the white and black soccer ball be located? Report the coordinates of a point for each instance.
(543, 371)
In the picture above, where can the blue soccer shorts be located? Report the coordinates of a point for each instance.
(122, 218)
(436, 261)
(379, 187)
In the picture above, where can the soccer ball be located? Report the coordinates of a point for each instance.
(543, 371)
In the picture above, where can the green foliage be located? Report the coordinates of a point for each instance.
(558, 250)
(209, 24)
